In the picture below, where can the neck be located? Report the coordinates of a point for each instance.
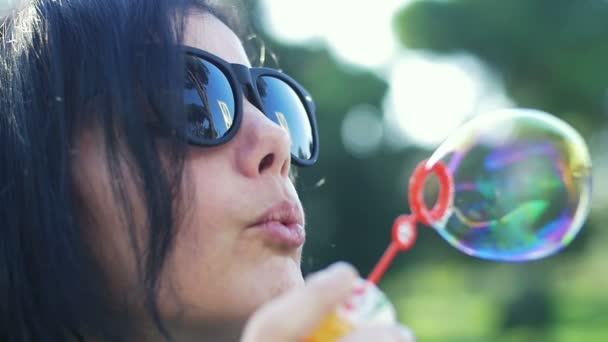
(220, 332)
(213, 332)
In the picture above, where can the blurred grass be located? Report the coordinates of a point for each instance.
(453, 301)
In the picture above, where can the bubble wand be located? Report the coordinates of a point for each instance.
(514, 186)
(405, 231)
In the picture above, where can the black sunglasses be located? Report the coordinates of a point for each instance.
(213, 94)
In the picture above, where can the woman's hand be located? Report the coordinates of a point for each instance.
(294, 315)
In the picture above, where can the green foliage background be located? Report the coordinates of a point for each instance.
(551, 55)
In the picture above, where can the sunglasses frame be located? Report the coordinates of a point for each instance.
(242, 80)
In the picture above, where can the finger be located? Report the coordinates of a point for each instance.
(295, 314)
(395, 333)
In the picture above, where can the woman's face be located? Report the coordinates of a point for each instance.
(226, 261)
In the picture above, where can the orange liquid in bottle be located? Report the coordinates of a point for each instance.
(368, 304)
(331, 329)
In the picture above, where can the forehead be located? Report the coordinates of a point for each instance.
(206, 32)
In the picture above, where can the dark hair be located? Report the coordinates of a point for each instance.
(66, 65)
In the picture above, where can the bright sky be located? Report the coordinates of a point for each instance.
(359, 31)
(428, 97)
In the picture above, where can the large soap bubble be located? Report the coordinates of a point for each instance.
(521, 185)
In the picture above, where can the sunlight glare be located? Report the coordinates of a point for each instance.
(357, 32)
(429, 97)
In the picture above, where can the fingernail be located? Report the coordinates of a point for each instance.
(406, 334)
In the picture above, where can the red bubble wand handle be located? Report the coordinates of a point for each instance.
(404, 228)
(366, 301)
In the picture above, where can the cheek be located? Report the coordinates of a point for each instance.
(205, 250)
(215, 272)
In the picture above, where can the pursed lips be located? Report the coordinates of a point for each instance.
(282, 224)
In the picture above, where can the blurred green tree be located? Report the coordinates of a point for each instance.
(550, 56)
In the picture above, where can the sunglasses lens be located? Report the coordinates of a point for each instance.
(283, 105)
(209, 101)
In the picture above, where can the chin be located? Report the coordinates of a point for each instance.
(283, 277)
(273, 280)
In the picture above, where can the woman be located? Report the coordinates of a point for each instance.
(146, 182)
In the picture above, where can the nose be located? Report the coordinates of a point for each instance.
(264, 146)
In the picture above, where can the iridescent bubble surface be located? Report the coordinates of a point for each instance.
(522, 185)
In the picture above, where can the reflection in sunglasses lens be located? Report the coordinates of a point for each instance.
(209, 101)
(283, 105)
